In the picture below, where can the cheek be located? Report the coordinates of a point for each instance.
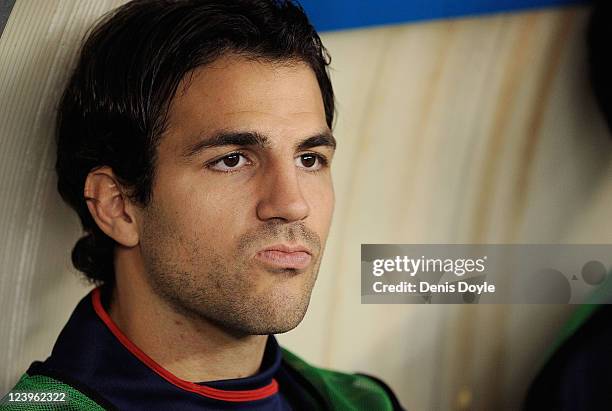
(216, 214)
(330, 202)
(200, 198)
(321, 201)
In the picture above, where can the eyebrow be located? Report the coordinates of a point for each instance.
(325, 139)
(253, 138)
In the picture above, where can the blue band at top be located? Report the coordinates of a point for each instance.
(346, 14)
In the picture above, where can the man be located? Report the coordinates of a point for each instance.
(195, 144)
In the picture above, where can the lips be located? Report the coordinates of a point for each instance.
(284, 256)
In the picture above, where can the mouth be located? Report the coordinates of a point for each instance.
(284, 256)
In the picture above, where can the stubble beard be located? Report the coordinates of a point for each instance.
(203, 285)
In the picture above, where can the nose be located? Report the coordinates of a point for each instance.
(282, 197)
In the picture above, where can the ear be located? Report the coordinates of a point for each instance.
(110, 207)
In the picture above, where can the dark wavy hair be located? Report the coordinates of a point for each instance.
(599, 33)
(115, 105)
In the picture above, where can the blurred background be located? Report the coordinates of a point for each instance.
(459, 122)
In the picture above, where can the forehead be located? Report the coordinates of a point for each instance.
(239, 93)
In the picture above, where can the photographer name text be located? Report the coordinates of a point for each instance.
(425, 287)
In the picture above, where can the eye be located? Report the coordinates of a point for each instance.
(311, 161)
(229, 163)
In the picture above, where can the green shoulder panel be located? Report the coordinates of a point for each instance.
(601, 295)
(42, 393)
(341, 391)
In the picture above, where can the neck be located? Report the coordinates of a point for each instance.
(195, 350)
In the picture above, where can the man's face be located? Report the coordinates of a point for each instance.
(241, 169)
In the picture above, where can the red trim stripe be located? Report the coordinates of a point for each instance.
(214, 393)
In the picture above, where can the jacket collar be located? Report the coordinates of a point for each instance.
(93, 350)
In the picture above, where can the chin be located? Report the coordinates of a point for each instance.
(278, 319)
(276, 328)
